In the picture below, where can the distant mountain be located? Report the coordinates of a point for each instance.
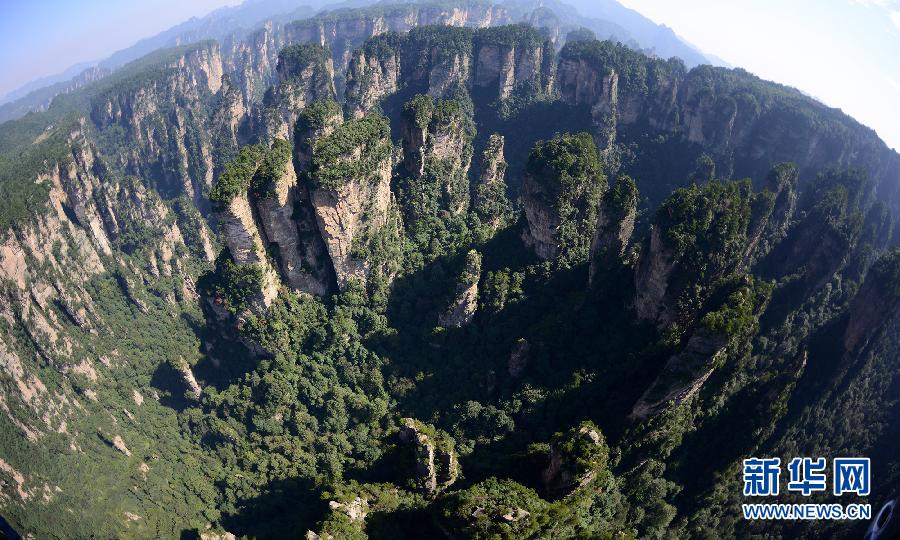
(36, 95)
(216, 25)
(44, 82)
(660, 39)
(607, 19)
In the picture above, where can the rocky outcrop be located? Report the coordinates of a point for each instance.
(683, 375)
(576, 458)
(651, 282)
(699, 234)
(267, 223)
(436, 464)
(561, 196)
(187, 376)
(350, 194)
(345, 31)
(163, 119)
(373, 73)
(744, 122)
(490, 202)
(511, 57)
(772, 212)
(305, 75)
(436, 152)
(276, 203)
(739, 301)
(246, 246)
(615, 223)
(462, 308)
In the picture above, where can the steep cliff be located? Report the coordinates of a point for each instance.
(465, 298)
(373, 73)
(88, 283)
(736, 305)
(561, 193)
(742, 120)
(699, 234)
(157, 113)
(875, 303)
(436, 155)
(305, 75)
(577, 458)
(436, 465)
(513, 59)
(489, 202)
(350, 176)
(615, 223)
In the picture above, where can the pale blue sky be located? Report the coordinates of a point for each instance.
(44, 37)
(844, 52)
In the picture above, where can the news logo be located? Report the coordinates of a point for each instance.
(805, 475)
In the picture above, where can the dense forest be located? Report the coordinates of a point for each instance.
(470, 278)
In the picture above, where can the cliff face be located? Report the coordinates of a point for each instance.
(103, 249)
(683, 375)
(615, 223)
(305, 74)
(490, 202)
(164, 121)
(436, 156)
(374, 72)
(462, 307)
(436, 465)
(561, 194)
(511, 58)
(875, 303)
(746, 124)
(725, 235)
(351, 193)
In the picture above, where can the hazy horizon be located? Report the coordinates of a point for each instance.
(843, 53)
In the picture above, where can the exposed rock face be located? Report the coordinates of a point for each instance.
(95, 229)
(187, 375)
(246, 245)
(374, 73)
(576, 457)
(615, 223)
(651, 282)
(462, 309)
(155, 117)
(436, 465)
(513, 56)
(493, 165)
(345, 32)
(683, 375)
(276, 207)
(356, 509)
(772, 212)
(305, 74)
(561, 197)
(436, 150)
(490, 202)
(700, 233)
(723, 110)
(351, 196)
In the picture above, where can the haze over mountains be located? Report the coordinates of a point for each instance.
(607, 18)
